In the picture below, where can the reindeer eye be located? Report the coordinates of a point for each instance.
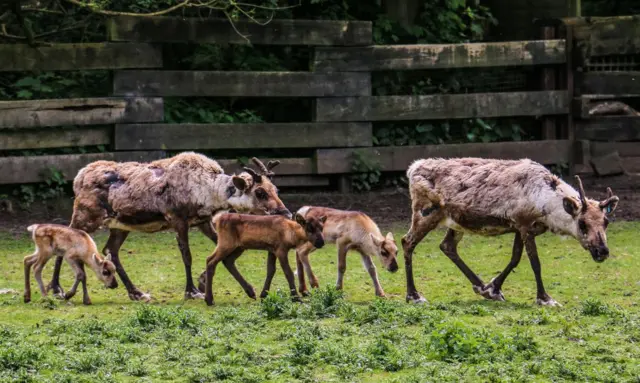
(106, 272)
(583, 226)
(384, 253)
(261, 194)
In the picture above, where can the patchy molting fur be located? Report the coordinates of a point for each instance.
(350, 230)
(493, 197)
(76, 247)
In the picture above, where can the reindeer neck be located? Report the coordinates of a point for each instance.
(91, 262)
(557, 219)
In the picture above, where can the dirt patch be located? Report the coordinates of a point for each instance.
(385, 207)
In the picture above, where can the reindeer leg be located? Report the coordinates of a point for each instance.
(230, 263)
(371, 269)
(115, 241)
(420, 227)
(494, 287)
(288, 273)
(37, 273)
(304, 266)
(449, 247)
(342, 264)
(271, 271)
(54, 285)
(302, 284)
(182, 229)
(542, 297)
(212, 262)
(209, 232)
(29, 260)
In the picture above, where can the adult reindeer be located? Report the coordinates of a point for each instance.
(492, 197)
(173, 193)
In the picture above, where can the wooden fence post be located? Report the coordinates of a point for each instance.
(548, 82)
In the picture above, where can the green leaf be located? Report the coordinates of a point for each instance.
(27, 82)
(24, 94)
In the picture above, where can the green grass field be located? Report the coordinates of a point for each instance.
(457, 336)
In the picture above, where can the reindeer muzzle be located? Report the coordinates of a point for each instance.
(283, 212)
(393, 267)
(113, 284)
(318, 244)
(599, 254)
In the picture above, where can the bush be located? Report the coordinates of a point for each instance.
(593, 307)
(327, 301)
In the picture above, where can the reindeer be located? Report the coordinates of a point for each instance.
(277, 235)
(77, 248)
(350, 230)
(173, 193)
(493, 197)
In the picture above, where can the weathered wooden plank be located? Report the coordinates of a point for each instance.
(275, 32)
(288, 166)
(609, 129)
(594, 105)
(398, 158)
(14, 170)
(627, 83)
(600, 36)
(301, 181)
(54, 138)
(442, 106)
(625, 149)
(436, 56)
(22, 57)
(241, 136)
(79, 111)
(240, 84)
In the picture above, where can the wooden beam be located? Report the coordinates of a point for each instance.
(54, 138)
(241, 136)
(288, 166)
(601, 36)
(627, 83)
(398, 158)
(79, 111)
(439, 56)
(29, 169)
(548, 82)
(625, 149)
(22, 57)
(301, 181)
(220, 31)
(609, 129)
(240, 84)
(442, 106)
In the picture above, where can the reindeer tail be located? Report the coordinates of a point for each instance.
(32, 228)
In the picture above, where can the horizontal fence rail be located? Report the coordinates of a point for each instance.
(242, 136)
(239, 84)
(275, 32)
(442, 106)
(65, 57)
(439, 56)
(79, 111)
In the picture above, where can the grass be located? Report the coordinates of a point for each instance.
(333, 336)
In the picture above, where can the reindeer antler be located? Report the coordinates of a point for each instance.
(609, 192)
(583, 198)
(260, 165)
(256, 177)
(272, 164)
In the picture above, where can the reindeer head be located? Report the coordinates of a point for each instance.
(259, 194)
(106, 271)
(313, 229)
(387, 251)
(590, 218)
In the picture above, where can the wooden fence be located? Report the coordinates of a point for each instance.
(131, 122)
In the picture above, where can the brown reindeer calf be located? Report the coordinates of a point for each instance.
(77, 248)
(350, 230)
(276, 234)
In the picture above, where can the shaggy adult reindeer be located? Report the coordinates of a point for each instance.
(493, 197)
(173, 193)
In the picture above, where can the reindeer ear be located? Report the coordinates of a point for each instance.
(376, 241)
(609, 205)
(300, 220)
(95, 258)
(323, 219)
(390, 236)
(240, 183)
(570, 206)
(108, 257)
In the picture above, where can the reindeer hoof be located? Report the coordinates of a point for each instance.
(416, 298)
(383, 295)
(489, 292)
(193, 295)
(548, 301)
(251, 293)
(86, 302)
(296, 298)
(138, 295)
(305, 293)
(56, 289)
(27, 299)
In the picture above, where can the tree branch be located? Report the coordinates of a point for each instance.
(114, 13)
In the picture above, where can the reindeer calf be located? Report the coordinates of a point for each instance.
(350, 230)
(77, 248)
(276, 234)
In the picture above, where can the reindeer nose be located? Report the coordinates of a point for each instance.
(284, 212)
(319, 244)
(393, 267)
